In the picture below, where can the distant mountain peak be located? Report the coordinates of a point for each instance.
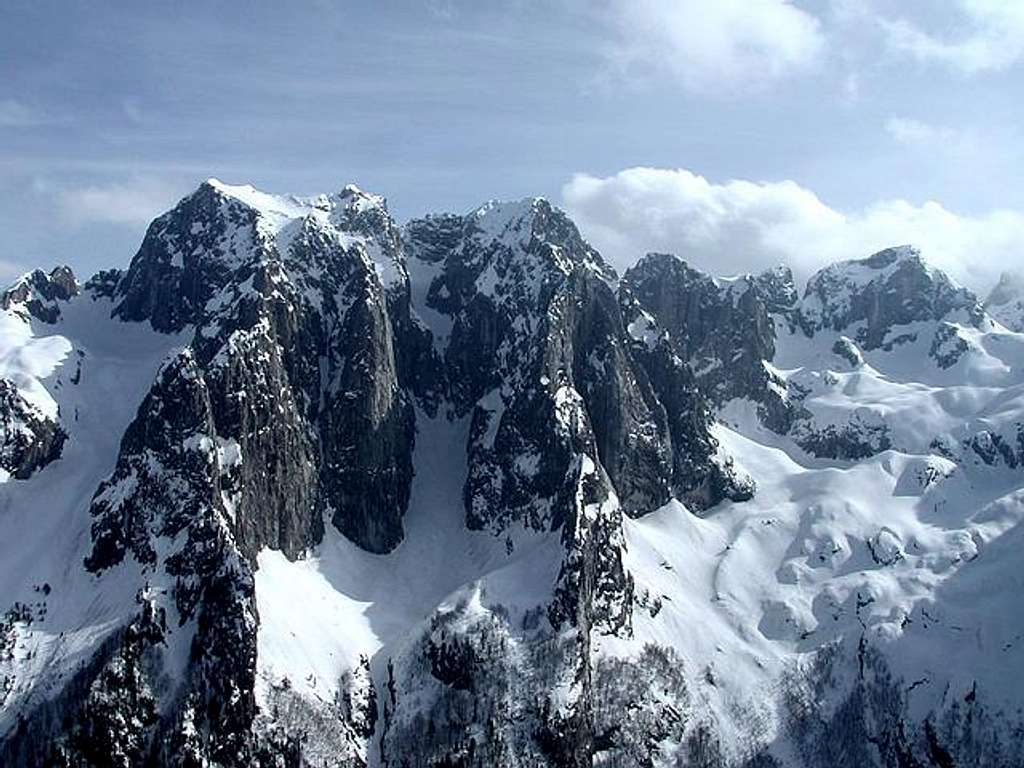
(892, 287)
(1006, 301)
(38, 293)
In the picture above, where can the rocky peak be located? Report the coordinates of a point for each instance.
(1006, 301)
(37, 294)
(295, 304)
(778, 288)
(532, 221)
(702, 313)
(187, 255)
(528, 239)
(721, 328)
(498, 268)
(896, 286)
(221, 235)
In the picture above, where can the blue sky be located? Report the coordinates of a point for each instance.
(738, 133)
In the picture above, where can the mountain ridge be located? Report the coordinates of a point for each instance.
(516, 484)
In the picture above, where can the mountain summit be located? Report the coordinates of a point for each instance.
(305, 487)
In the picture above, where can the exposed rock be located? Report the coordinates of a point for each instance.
(859, 438)
(296, 305)
(847, 349)
(721, 330)
(29, 439)
(38, 294)
(539, 356)
(872, 296)
(188, 255)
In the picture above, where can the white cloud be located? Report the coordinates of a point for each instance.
(938, 139)
(726, 45)
(744, 226)
(991, 37)
(913, 132)
(132, 202)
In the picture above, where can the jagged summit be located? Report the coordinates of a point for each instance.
(893, 255)
(495, 217)
(878, 266)
(38, 293)
(893, 287)
(279, 209)
(526, 226)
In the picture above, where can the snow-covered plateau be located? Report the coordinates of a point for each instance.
(305, 487)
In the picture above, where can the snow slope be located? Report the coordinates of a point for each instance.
(93, 371)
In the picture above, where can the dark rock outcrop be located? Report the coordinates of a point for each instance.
(539, 357)
(29, 439)
(39, 294)
(188, 255)
(297, 328)
(722, 331)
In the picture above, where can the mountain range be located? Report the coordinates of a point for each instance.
(306, 487)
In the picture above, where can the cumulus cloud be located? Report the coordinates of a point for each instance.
(742, 226)
(726, 45)
(990, 37)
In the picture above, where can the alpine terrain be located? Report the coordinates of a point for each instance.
(306, 487)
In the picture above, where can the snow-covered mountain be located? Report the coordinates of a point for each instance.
(305, 487)
(1006, 301)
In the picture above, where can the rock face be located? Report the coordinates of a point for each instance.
(28, 438)
(722, 330)
(539, 358)
(31, 436)
(294, 305)
(1006, 301)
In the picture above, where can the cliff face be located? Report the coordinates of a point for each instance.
(722, 331)
(294, 307)
(31, 436)
(29, 439)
